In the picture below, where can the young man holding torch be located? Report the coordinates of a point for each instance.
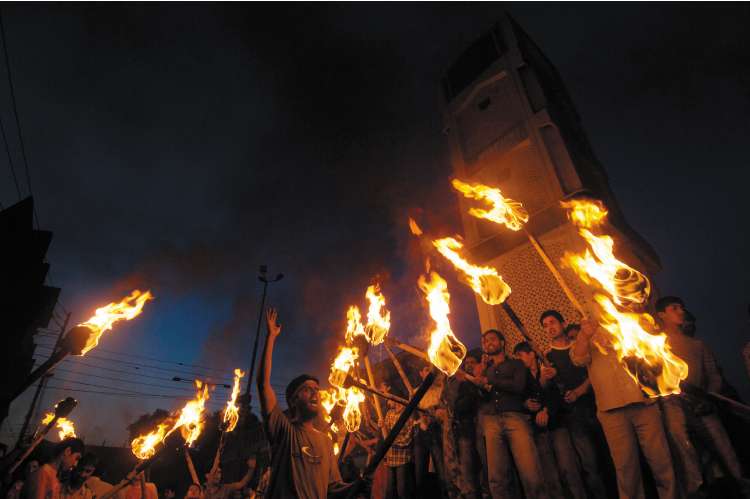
(506, 428)
(302, 461)
(216, 490)
(630, 420)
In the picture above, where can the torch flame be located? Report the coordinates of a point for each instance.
(378, 317)
(352, 413)
(625, 284)
(504, 211)
(66, 427)
(446, 352)
(485, 281)
(664, 369)
(354, 326)
(585, 213)
(189, 421)
(232, 412)
(105, 317)
(646, 357)
(341, 365)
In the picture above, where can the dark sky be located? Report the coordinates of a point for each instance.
(176, 147)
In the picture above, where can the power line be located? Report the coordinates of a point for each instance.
(120, 371)
(15, 112)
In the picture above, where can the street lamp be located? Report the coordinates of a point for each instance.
(262, 276)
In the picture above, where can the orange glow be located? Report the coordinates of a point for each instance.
(105, 317)
(354, 326)
(504, 211)
(446, 352)
(378, 317)
(352, 413)
(485, 281)
(66, 427)
(623, 283)
(646, 357)
(232, 412)
(415, 229)
(630, 339)
(585, 213)
(189, 421)
(340, 368)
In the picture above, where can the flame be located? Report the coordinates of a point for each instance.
(445, 351)
(66, 427)
(585, 213)
(485, 281)
(232, 412)
(189, 421)
(341, 365)
(415, 229)
(352, 413)
(504, 211)
(630, 340)
(646, 357)
(354, 326)
(105, 317)
(336, 449)
(378, 318)
(625, 284)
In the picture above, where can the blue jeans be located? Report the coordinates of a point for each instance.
(506, 434)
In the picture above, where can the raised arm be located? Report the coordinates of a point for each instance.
(267, 395)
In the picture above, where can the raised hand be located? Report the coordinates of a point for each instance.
(274, 328)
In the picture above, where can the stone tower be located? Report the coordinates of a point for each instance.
(510, 123)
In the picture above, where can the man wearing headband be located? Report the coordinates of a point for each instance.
(302, 461)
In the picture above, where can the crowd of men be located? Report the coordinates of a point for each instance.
(513, 422)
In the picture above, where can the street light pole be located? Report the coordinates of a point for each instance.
(264, 279)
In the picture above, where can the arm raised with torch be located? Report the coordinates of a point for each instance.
(302, 459)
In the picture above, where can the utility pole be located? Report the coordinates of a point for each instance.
(40, 387)
(264, 279)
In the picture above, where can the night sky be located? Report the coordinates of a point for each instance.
(177, 147)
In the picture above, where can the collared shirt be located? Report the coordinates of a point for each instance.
(508, 382)
(613, 386)
(401, 450)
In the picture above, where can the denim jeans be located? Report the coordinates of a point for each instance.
(685, 456)
(506, 434)
(627, 428)
(584, 428)
(400, 483)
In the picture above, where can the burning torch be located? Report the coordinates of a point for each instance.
(445, 353)
(189, 422)
(62, 411)
(85, 336)
(230, 418)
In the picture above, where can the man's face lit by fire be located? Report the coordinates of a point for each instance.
(552, 326)
(673, 315)
(492, 344)
(70, 458)
(470, 364)
(307, 400)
